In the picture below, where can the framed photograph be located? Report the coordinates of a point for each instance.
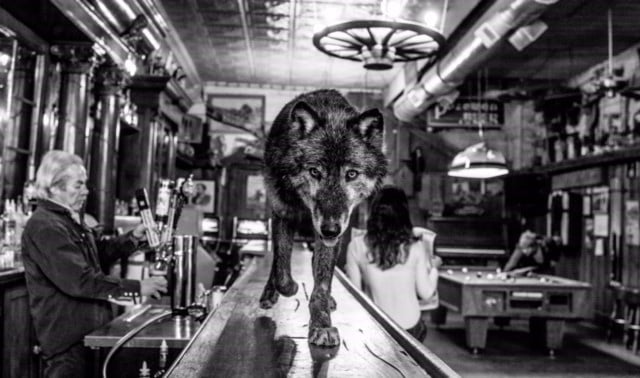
(600, 200)
(256, 196)
(242, 111)
(205, 197)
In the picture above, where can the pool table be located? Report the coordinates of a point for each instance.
(480, 294)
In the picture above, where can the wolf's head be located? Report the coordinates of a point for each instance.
(338, 159)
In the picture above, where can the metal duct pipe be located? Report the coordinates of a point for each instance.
(473, 49)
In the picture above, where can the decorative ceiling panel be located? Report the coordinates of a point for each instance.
(269, 41)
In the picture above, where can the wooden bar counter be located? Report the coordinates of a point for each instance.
(240, 339)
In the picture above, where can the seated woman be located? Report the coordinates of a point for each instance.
(392, 262)
(533, 253)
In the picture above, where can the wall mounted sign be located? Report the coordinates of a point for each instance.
(467, 113)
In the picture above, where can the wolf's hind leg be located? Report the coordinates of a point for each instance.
(321, 331)
(280, 277)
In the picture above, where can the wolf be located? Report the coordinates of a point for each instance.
(324, 157)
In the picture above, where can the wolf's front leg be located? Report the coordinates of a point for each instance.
(321, 332)
(280, 277)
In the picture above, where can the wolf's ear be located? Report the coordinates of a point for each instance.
(369, 124)
(303, 118)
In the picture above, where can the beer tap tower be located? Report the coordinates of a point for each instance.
(175, 255)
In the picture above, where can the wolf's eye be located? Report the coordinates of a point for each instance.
(352, 174)
(315, 173)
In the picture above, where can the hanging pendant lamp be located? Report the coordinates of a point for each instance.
(478, 162)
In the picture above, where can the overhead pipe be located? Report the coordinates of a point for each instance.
(247, 38)
(473, 49)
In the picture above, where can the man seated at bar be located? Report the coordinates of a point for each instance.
(64, 267)
(534, 253)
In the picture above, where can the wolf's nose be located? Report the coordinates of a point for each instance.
(330, 230)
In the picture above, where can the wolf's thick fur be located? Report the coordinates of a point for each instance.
(323, 156)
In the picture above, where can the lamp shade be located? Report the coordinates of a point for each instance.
(479, 162)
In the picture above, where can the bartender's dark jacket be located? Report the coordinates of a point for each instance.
(65, 272)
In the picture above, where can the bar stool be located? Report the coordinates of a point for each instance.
(632, 303)
(617, 317)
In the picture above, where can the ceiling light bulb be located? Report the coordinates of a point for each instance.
(130, 66)
(417, 96)
(392, 8)
(431, 18)
(4, 59)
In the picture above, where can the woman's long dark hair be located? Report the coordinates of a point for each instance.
(389, 228)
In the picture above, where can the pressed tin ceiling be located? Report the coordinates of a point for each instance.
(269, 42)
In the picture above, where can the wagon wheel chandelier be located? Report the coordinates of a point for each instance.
(379, 43)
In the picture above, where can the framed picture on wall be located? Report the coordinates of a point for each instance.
(242, 111)
(600, 200)
(205, 197)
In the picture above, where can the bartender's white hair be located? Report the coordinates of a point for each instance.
(53, 171)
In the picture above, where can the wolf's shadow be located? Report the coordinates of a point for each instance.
(279, 353)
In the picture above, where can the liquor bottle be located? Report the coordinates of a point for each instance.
(162, 361)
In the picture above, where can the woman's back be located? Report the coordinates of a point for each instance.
(395, 290)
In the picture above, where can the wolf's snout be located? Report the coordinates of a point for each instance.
(330, 230)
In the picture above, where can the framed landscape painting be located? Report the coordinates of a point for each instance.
(242, 111)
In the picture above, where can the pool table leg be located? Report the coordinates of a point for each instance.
(476, 330)
(555, 334)
(552, 329)
(439, 315)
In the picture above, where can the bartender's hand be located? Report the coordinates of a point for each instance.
(140, 232)
(153, 286)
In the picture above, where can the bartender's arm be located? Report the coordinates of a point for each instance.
(58, 255)
(110, 250)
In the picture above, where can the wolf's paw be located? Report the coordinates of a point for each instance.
(324, 337)
(289, 289)
(268, 299)
(332, 303)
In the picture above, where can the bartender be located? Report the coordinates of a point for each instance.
(65, 267)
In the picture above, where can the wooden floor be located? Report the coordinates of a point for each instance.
(242, 340)
(510, 352)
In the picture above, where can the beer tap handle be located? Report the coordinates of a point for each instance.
(167, 232)
(142, 199)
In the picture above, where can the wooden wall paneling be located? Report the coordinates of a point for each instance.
(631, 253)
(17, 333)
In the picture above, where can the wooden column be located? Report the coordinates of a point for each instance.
(146, 94)
(75, 66)
(158, 98)
(109, 81)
